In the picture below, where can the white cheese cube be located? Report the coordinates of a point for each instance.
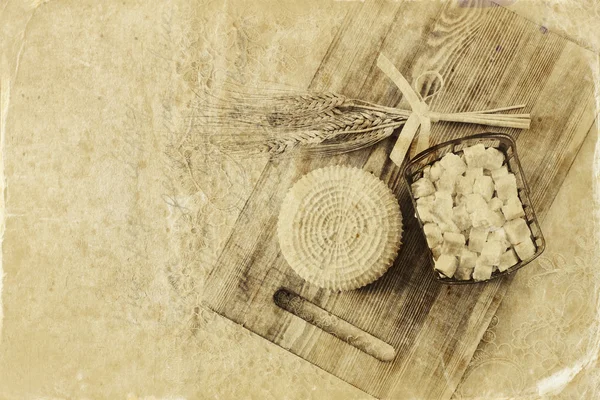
(482, 218)
(482, 271)
(426, 201)
(460, 200)
(463, 274)
(493, 159)
(507, 260)
(442, 212)
(436, 171)
(525, 249)
(491, 252)
(423, 187)
(461, 217)
(444, 197)
(437, 252)
(449, 226)
(441, 208)
(427, 172)
(495, 204)
(447, 182)
(513, 208)
(477, 239)
(453, 164)
(447, 265)
(506, 187)
(499, 173)
(475, 155)
(486, 218)
(433, 235)
(517, 231)
(453, 243)
(484, 185)
(473, 173)
(499, 235)
(496, 220)
(463, 185)
(467, 259)
(425, 214)
(475, 202)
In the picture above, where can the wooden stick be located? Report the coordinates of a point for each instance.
(334, 325)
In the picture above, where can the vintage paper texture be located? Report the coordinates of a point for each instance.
(114, 214)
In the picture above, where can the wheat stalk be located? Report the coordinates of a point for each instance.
(312, 124)
(278, 122)
(318, 123)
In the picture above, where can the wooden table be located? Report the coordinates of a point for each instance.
(489, 58)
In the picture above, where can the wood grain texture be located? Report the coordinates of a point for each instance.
(489, 58)
(334, 325)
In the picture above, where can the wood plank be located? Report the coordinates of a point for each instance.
(489, 57)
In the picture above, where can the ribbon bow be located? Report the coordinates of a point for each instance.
(421, 116)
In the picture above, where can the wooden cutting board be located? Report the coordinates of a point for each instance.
(489, 58)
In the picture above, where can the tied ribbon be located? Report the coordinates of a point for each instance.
(419, 118)
(422, 117)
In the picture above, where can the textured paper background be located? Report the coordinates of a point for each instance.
(108, 233)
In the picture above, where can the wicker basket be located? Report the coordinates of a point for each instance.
(502, 142)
